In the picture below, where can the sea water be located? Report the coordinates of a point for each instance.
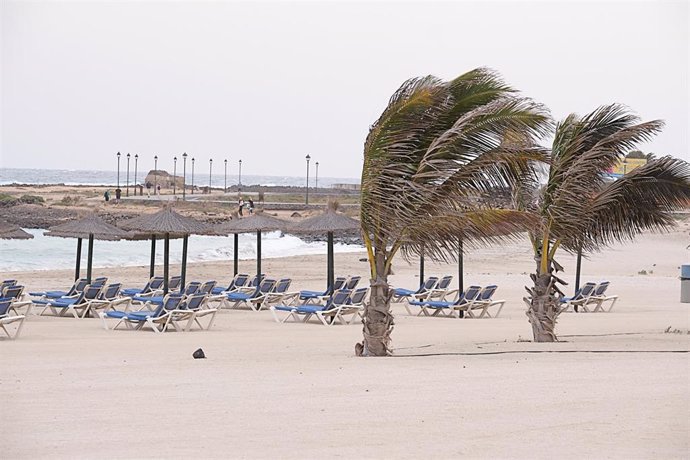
(47, 253)
(109, 178)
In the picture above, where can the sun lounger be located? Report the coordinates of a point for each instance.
(445, 308)
(6, 283)
(154, 284)
(76, 288)
(317, 297)
(238, 298)
(15, 294)
(352, 308)
(438, 292)
(579, 299)
(598, 298)
(147, 301)
(307, 310)
(158, 319)
(482, 303)
(109, 298)
(279, 295)
(400, 294)
(352, 283)
(174, 283)
(240, 280)
(7, 318)
(70, 305)
(191, 310)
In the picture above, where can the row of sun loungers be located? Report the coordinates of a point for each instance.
(590, 295)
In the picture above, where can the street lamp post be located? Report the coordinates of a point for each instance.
(225, 184)
(136, 162)
(184, 176)
(127, 188)
(307, 194)
(239, 177)
(192, 175)
(316, 184)
(210, 170)
(174, 175)
(118, 169)
(155, 175)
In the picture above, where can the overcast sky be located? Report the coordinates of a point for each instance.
(271, 82)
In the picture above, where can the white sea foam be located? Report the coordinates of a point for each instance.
(48, 253)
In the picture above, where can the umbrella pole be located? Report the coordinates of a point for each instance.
(421, 270)
(461, 263)
(166, 261)
(77, 268)
(578, 266)
(258, 255)
(153, 256)
(184, 262)
(236, 254)
(89, 263)
(330, 262)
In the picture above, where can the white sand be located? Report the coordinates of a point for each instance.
(72, 390)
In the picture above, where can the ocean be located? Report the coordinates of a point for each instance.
(48, 253)
(109, 178)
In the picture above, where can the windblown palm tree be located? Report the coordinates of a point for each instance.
(437, 148)
(580, 210)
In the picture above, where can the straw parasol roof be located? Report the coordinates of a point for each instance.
(87, 226)
(13, 232)
(329, 221)
(259, 222)
(165, 221)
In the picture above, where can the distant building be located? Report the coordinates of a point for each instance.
(627, 165)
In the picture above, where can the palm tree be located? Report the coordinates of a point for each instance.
(580, 210)
(437, 147)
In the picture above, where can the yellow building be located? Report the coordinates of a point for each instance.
(628, 165)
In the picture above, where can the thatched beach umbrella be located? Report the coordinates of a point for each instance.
(328, 222)
(258, 222)
(90, 227)
(167, 224)
(13, 232)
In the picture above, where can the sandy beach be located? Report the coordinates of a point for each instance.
(616, 386)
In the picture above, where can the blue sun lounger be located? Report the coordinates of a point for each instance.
(235, 299)
(445, 308)
(137, 319)
(73, 305)
(307, 310)
(321, 296)
(154, 284)
(400, 294)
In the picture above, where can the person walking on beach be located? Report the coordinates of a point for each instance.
(148, 189)
(251, 206)
(106, 195)
(158, 189)
(241, 205)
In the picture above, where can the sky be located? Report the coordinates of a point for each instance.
(272, 82)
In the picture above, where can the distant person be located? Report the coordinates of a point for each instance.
(148, 189)
(251, 206)
(241, 206)
(118, 194)
(158, 189)
(106, 195)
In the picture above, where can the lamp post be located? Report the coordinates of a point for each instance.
(210, 170)
(155, 175)
(174, 175)
(118, 169)
(316, 185)
(127, 188)
(184, 176)
(239, 177)
(225, 184)
(136, 162)
(307, 195)
(192, 175)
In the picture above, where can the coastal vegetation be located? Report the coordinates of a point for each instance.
(439, 147)
(435, 148)
(579, 210)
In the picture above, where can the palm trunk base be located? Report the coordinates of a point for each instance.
(543, 309)
(377, 323)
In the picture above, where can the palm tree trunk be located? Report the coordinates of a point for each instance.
(544, 305)
(378, 319)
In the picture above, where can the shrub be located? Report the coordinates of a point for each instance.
(32, 199)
